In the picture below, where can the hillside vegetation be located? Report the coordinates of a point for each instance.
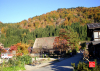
(49, 24)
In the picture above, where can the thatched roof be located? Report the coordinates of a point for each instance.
(45, 42)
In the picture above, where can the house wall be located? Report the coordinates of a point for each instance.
(6, 55)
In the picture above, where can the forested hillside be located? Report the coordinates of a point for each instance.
(14, 35)
(49, 24)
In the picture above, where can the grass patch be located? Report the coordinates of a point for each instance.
(12, 68)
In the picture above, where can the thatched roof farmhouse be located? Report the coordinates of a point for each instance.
(44, 43)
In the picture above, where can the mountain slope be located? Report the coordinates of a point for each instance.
(62, 16)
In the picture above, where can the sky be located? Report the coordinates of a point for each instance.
(13, 11)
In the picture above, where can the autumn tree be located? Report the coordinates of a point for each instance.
(30, 42)
(68, 39)
(2, 49)
(23, 48)
(14, 47)
(20, 48)
(72, 37)
(60, 44)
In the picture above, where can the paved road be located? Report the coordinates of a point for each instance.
(64, 65)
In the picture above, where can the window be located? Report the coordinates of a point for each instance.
(96, 36)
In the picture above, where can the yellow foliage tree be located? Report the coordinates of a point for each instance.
(2, 30)
(66, 21)
(23, 48)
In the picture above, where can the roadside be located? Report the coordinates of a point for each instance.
(46, 63)
(63, 65)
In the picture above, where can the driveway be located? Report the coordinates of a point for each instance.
(64, 65)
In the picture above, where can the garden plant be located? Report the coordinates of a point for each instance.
(16, 63)
(85, 67)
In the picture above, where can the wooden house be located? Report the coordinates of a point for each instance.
(93, 31)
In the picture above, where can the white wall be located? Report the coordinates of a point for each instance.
(5, 55)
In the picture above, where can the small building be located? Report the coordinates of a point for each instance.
(7, 53)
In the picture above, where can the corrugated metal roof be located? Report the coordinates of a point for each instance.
(93, 25)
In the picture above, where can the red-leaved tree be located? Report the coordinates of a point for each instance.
(60, 43)
(13, 48)
(67, 40)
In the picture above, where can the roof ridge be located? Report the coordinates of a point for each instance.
(47, 37)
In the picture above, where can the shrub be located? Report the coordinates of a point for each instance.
(35, 58)
(83, 45)
(43, 55)
(12, 65)
(48, 58)
(74, 51)
(25, 58)
(85, 67)
(46, 55)
(13, 62)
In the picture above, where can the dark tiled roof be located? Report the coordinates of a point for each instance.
(93, 25)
